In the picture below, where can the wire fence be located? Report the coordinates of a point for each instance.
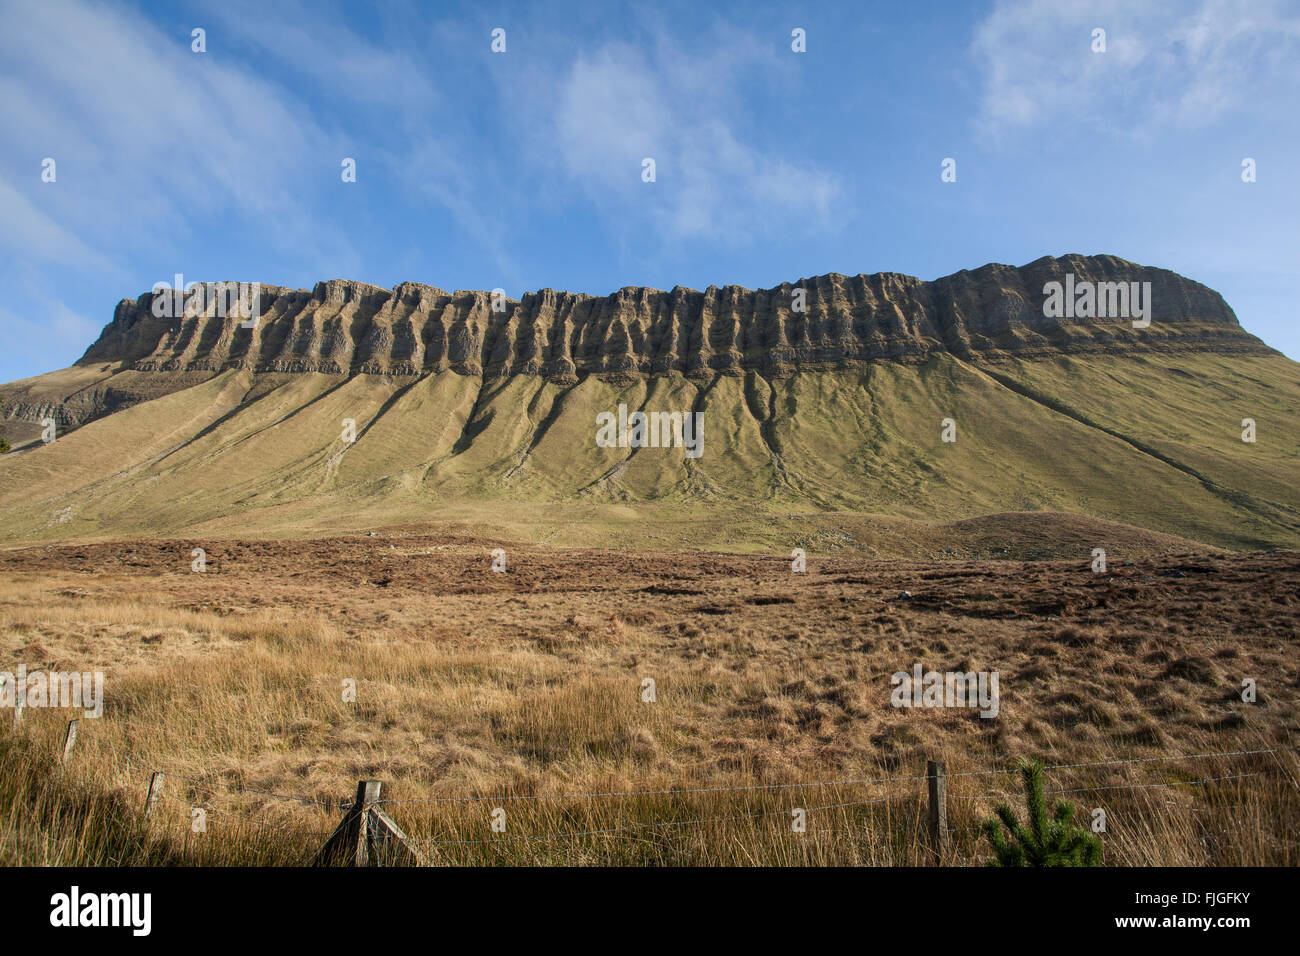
(635, 827)
(212, 782)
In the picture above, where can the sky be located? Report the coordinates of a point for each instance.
(523, 169)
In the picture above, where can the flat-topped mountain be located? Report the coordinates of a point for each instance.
(1121, 393)
(343, 327)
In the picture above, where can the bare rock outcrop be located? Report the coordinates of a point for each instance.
(350, 328)
(343, 328)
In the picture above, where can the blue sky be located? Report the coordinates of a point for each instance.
(522, 170)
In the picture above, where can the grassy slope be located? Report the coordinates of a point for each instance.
(1152, 441)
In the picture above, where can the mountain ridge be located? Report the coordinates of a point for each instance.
(349, 327)
(345, 327)
(351, 406)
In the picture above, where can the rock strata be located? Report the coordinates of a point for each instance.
(347, 328)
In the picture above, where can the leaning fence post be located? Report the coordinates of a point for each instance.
(350, 840)
(367, 836)
(69, 740)
(155, 788)
(388, 836)
(938, 807)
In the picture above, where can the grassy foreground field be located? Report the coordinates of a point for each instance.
(523, 691)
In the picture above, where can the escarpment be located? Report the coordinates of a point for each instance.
(1082, 386)
(342, 327)
(833, 321)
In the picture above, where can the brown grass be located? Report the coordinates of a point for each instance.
(528, 684)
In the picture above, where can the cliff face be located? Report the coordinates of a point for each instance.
(349, 328)
(345, 328)
(356, 406)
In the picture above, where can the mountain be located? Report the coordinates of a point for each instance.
(481, 409)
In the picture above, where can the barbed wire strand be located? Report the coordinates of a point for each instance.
(664, 823)
(762, 787)
(824, 783)
(1127, 786)
(786, 810)
(686, 791)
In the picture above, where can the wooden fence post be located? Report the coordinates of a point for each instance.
(155, 788)
(389, 835)
(365, 830)
(358, 839)
(938, 807)
(69, 740)
(348, 842)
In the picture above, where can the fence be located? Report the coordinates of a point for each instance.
(367, 834)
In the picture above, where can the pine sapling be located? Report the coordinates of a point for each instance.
(1055, 841)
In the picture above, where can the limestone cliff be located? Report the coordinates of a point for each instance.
(344, 327)
(347, 328)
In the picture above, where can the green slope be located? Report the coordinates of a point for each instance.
(1152, 440)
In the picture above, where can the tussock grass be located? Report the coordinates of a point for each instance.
(529, 687)
(91, 814)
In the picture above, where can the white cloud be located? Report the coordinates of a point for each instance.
(72, 326)
(313, 41)
(152, 141)
(160, 153)
(1166, 63)
(32, 233)
(394, 84)
(720, 175)
(53, 338)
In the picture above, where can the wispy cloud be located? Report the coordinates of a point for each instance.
(383, 92)
(157, 150)
(722, 173)
(1169, 63)
(313, 40)
(33, 234)
(151, 140)
(40, 339)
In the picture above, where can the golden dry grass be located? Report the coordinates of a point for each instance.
(527, 686)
